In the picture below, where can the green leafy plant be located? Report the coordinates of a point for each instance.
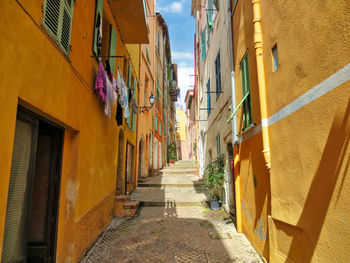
(214, 175)
(172, 152)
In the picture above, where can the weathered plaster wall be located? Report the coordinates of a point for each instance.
(310, 147)
(255, 187)
(36, 75)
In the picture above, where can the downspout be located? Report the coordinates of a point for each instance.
(237, 179)
(258, 41)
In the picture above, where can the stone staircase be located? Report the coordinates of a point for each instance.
(177, 185)
(124, 206)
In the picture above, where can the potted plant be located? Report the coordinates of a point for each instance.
(214, 175)
(171, 153)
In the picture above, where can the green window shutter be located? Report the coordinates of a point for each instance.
(247, 107)
(129, 76)
(112, 49)
(155, 122)
(66, 30)
(210, 15)
(145, 9)
(203, 44)
(133, 127)
(208, 97)
(98, 13)
(218, 145)
(157, 88)
(160, 129)
(218, 75)
(57, 20)
(52, 17)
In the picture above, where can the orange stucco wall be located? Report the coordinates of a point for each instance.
(310, 147)
(38, 76)
(255, 185)
(303, 199)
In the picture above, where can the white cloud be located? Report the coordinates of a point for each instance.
(175, 7)
(185, 81)
(180, 55)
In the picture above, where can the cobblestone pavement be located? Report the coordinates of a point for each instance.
(173, 234)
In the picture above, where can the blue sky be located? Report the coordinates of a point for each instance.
(177, 14)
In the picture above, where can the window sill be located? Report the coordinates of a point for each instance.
(247, 130)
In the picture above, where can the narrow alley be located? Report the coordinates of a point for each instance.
(168, 131)
(173, 225)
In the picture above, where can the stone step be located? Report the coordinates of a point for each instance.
(131, 205)
(171, 203)
(160, 196)
(122, 198)
(178, 185)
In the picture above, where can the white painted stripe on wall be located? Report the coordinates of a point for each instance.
(332, 82)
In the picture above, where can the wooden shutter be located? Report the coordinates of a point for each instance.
(57, 20)
(135, 99)
(247, 115)
(218, 75)
(98, 12)
(155, 122)
(66, 30)
(15, 243)
(208, 97)
(51, 18)
(112, 49)
(203, 45)
(210, 15)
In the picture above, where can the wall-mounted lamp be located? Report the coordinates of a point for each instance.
(152, 100)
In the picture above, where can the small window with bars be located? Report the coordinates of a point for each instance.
(57, 21)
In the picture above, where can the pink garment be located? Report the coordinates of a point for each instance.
(100, 83)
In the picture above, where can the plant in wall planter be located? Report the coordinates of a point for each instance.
(172, 153)
(214, 175)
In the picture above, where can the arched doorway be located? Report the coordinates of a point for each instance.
(141, 169)
(120, 172)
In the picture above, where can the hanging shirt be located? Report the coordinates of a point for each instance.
(100, 83)
(111, 97)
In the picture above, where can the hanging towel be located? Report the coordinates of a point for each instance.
(111, 97)
(100, 82)
(126, 112)
(123, 96)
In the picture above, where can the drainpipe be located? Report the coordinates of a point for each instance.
(258, 41)
(237, 179)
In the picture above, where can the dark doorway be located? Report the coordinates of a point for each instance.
(120, 174)
(32, 206)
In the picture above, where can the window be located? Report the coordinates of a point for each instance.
(208, 97)
(218, 145)
(112, 49)
(157, 88)
(133, 127)
(155, 122)
(96, 48)
(218, 75)
(203, 44)
(247, 107)
(158, 41)
(210, 15)
(275, 57)
(57, 20)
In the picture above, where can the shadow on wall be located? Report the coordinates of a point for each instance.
(322, 187)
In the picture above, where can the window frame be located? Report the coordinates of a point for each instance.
(218, 75)
(64, 9)
(247, 116)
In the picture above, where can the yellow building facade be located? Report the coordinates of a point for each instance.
(49, 108)
(292, 146)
